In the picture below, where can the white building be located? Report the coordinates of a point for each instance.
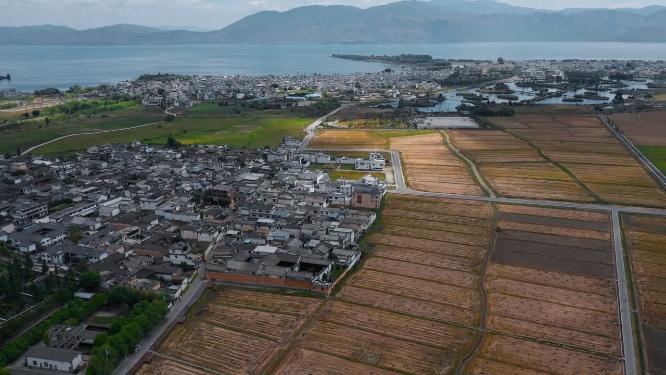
(62, 360)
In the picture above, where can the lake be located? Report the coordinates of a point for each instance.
(453, 98)
(35, 67)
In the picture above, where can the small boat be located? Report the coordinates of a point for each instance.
(7, 77)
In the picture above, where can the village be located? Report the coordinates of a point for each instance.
(156, 219)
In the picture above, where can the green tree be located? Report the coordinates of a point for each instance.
(27, 266)
(89, 281)
(172, 142)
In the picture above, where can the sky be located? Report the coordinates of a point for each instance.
(206, 14)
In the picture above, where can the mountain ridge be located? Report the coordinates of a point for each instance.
(435, 21)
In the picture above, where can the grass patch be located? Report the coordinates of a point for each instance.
(210, 123)
(355, 175)
(373, 124)
(33, 132)
(657, 155)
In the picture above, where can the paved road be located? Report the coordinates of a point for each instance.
(312, 128)
(402, 188)
(191, 295)
(33, 148)
(623, 297)
(635, 151)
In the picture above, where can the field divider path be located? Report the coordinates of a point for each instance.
(626, 322)
(402, 188)
(33, 148)
(183, 362)
(292, 342)
(483, 313)
(656, 173)
(558, 165)
(471, 165)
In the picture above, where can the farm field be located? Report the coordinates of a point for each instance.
(412, 305)
(515, 169)
(431, 166)
(657, 155)
(207, 125)
(162, 366)
(645, 237)
(354, 175)
(643, 128)
(583, 146)
(235, 331)
(31, 133)
(360, 117)
(359, 139)
(552, 300)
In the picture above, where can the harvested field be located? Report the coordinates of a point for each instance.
(422, 271)
(533, 180)
(643, 128)
(584, 146)
(588, 216)
(514, 168)
(430, 166)
(358, 139)
(163, 366)
(416, 288)
(552, 300)
(341, 139)
(430, 258)
(493, 147)
(354, 343)
(237, 331)
(409, 306)
(412, 305)
(526, 357)
(645, 237)
(307, 362)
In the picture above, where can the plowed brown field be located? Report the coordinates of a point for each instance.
(514, 168)
(551, 295)
(584, 146)
(430, 166)
(237, 331)
(646, 240)
(412, 306)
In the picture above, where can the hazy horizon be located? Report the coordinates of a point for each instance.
(210, 14)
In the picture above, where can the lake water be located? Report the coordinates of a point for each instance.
(35, 67)
(453, 100)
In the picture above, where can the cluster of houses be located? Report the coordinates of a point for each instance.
(148, 217)
(154, 218)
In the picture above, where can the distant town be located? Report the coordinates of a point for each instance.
(145, 222)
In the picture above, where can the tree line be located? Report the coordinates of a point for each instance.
(146, 310)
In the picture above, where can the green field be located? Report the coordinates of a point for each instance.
(233, 125)
(657, 155)
(34, 132)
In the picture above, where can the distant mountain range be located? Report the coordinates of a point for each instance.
(401, 22)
